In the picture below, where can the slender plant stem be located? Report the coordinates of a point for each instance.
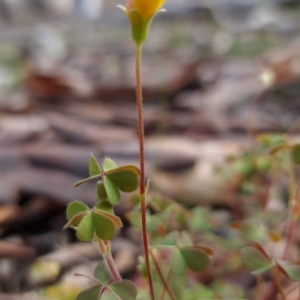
(278, 283)
(258, 287)
(112, 267)
(293, 185)
(292, 204)
(290, 225)
(167, 280)
(139, 101)
(105, 249)
(271, 292)
(166, 287)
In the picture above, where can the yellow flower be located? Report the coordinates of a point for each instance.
(146, 8)
(140, 14)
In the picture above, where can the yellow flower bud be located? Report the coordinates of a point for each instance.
(140, 14)
(146, 8)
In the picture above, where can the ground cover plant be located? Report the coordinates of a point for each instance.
(180, 242)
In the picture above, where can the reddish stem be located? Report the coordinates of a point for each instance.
(164, 291)
(105, 249)
(278, 283)
(112, 267)
(139, 100)
(165, 284)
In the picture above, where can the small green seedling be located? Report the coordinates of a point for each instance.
(184, 254)
(100, 224)
(258, 261)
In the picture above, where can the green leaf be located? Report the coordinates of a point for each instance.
(175, 238)
(196, 259)
(244, 166)
(254, 260)
(292, 271)
(295, 154)
(125, 178)
(85, 230)
(102, 274)
(228, 290)
(108, 295)
(115, 219)
(109, 164)
(177, 262)
(171, 239)
(161, 203)
(153, 223)
(105, 206)
(75, 208)
(254, 231)
(135, 218)
(90, 294)
(101, 192)
(112, 191)
(104, 228)
(184, 240)
(94, 168)
(80, 182)
(125, 289)
(200, 220)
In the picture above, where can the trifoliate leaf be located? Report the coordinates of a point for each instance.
(254, 260)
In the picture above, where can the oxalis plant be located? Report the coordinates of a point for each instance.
(283, 155)
(172, 253)
(100, 225)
